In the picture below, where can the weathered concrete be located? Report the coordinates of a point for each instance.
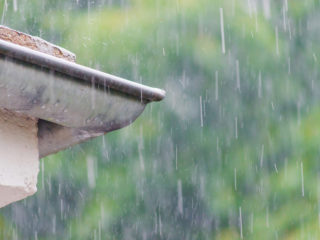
(35, 43)
(19, 150)
(19, 157)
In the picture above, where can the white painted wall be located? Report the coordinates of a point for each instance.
(19, 154)
(19, 157)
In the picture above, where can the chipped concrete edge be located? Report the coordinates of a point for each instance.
(35, 43)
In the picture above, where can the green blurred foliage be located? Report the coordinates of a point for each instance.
(256, 153)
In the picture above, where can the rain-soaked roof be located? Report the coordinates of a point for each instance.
(80, 72)
(72, 102)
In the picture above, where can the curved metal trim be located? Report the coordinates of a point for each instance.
(81, 72)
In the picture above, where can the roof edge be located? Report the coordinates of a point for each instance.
(81, 72)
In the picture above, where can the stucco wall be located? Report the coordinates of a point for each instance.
(19, 157)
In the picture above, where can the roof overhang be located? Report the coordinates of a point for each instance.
(72, 102)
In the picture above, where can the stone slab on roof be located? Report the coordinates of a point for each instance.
(35, 43)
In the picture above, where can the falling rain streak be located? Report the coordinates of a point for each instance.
(176, 157)
(230, 153)
(240, 223)
(236, 127)
(217, 86)
(140, 148)
(284, 18)
(302, 179)
(15, 5)
(223, 45)
(289, 65)
(91, 171)
(261, 156)
(266, 8)
(201, 112)
(260, 85)
(238, 75)
(235, 179)
(180, 197)
(249, 8)
(5, 9)
(267, 218)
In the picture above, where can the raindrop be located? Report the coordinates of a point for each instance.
(250, 8)
(238, 75)
(266, 9)
(302, 179)
(218, 145)
(160, 225)
(240, 223)
(217, 86)
(260, 85)
(286, 5)
(236, 127)
(15, 5)
(223, 46)
(201, 113)
(298, 113)
(99, 230)
(284, 18)
(61, 208)
(315, 57)
(202, 186)
(54, 224)
(277, 40)
(261, 156)
(180, 198)
(289, 66)
(235, 179)
(5, 9)
(140, 148)
(267, 217)
(176, 157)
(91, 171)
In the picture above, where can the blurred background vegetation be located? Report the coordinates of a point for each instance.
(233, 151)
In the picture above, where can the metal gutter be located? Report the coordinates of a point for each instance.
(81, 72)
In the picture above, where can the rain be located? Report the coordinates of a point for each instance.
(230, 152)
